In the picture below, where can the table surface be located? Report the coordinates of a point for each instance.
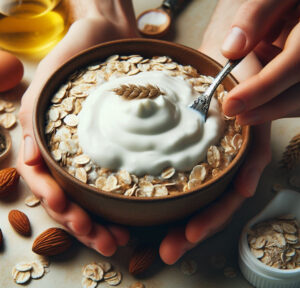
(65, 271)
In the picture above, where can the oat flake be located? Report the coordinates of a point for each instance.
(32, 201)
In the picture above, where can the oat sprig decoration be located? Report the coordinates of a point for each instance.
(132, 91)
(291, 155)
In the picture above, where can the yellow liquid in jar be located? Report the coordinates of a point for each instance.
(31, 26)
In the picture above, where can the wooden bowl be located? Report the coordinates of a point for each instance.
(118, 208)
(8, 143)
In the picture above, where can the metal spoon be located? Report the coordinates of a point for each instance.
(201, 104)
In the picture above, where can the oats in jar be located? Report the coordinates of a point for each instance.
(276, 242)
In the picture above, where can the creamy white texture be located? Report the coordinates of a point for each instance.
(144, 136)
(152, 18)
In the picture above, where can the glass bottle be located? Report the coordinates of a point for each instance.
(31, 26)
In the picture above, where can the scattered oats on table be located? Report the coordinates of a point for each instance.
(32, 201)
(61, 129)
(95, 273)
(24, 271)
(188, 267)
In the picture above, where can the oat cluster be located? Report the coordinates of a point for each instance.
(95, 273)
(62, 120)
(24, 271)
(276, 243)
(7, 118)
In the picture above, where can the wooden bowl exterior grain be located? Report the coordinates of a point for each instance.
(118, 208)
(8, 143)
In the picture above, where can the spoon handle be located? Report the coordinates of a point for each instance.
(203, 101)
(222, 74)
(172, 5)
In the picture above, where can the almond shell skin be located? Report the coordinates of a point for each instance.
(52, 242)
(20, 222)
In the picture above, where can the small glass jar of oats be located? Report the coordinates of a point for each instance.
(269, 247)
(124, 126)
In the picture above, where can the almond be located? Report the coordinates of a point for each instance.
(1, 239)
(20, 222)
(141, 259)
(9, 179)
(51, 242)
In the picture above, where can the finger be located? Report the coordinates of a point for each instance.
(266, 52)
(120, 234)
(259, 156)
(291, 20)
(174, 245)
(100, 239)
(213, 218)
(31, 153)
(251, 23)
(74, 218)
(280, 74)
(41, 183)
(282, 106)
(68, 214)
(65, 49)
(97, 236)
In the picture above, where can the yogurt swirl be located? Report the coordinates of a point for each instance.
(144, 136)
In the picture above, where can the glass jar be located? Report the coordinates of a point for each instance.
(31, 26)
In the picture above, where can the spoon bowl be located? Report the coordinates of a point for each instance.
(154, 22)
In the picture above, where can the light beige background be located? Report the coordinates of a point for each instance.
(65, 271)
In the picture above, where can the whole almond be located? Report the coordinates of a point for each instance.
(141, 259)
(51, 242)
(20, 222)
(1, 239)
(9, 179)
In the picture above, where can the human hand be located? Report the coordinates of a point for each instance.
(102, 21)
(217, 215)
(272, 29)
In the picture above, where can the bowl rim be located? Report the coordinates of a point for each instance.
(8, 143)
(86, 187)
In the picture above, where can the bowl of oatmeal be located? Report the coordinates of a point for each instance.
(114, 128)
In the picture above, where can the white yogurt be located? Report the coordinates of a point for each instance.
(144, 136)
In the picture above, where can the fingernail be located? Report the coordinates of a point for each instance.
(28, 149)
(234, 107)
(235, 40)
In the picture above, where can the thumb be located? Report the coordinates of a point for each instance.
(31, 154)
(253, 21)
